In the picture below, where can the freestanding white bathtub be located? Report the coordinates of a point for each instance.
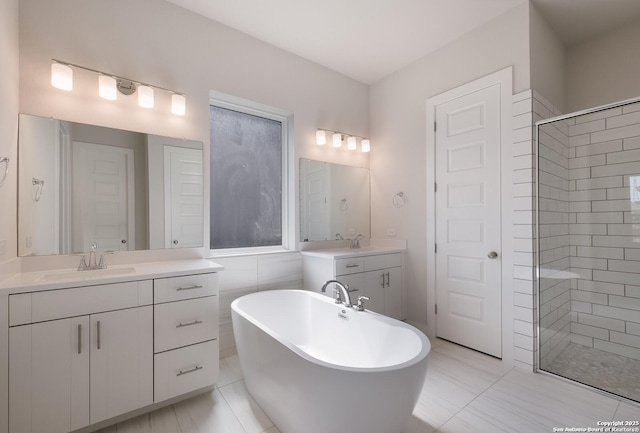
(314, 371)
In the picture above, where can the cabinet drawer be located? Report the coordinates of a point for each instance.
(59, 304)
(187, 322)
(187, 369)
(382, 261)
(355, 283)
(186, 287)
(349, 266)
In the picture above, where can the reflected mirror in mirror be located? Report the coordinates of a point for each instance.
(80, 185)
(334, 201)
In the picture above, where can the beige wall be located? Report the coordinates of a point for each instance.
(160, 43)
(547, 60)
(604, 70)
(8, 125)
(398, 128)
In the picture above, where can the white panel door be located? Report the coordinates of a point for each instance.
(103, 197)
(121, 362)
(467, 174)
(315, 213)
(49, 376)
(183, 197)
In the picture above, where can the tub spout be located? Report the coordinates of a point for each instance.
(339, 287)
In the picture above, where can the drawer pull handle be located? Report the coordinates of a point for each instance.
(79, 338)
(353, 266)
(182, 325)
(98, 328)
(189, 287)
(191, 370)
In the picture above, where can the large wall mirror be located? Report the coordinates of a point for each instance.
(80, 185)
(334, 201)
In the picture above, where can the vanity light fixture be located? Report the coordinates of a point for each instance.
(61, 76)
(110, 85)
(365, 146)
(107, 88)
(321, 137)
(145, 96)
(338, 137)
(178, 104)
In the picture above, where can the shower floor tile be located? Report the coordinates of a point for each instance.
(607, 371)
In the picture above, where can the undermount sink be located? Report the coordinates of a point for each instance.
(86, 275)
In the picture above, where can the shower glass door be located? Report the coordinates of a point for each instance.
(588, 226)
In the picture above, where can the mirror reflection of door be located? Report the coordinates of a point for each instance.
(183, 197)
(314, 200)
(103, 197)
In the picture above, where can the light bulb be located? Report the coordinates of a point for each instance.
(145, 96)
(178, 104)
(337, 140)
(107, 87)
(61, 76)
(366, 145)
(351, 143)
(321, 137)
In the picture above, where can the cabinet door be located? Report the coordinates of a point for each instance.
(121, 362)
(393, 293)
(49, 376)
(374, 286)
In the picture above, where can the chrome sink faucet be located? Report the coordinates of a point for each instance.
(339, 289)
(355, 242)
(93, 263)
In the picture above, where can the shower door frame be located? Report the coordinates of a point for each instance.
(536, 232)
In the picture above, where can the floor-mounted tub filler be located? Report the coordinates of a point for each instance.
(315, 366)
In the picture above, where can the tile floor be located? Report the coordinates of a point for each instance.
(464, 391)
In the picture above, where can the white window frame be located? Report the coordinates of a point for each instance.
(286, 118)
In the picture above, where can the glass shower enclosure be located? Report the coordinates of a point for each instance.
(588, 247)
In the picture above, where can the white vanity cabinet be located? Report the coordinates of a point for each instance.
(73, 365)
(377, 275)
(86, 354)
(185, 334)
(383, 280)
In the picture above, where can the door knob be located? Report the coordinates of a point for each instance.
(492, 255)
(175, 242)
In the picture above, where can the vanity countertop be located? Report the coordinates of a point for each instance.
(345, 253)
(67, 278)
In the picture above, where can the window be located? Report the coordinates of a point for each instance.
(248, 178)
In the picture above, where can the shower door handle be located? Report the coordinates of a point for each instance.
(492, 255)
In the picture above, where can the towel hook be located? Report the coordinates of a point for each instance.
(39, 183)
(399, 200)
(6, 168)
(343, 206)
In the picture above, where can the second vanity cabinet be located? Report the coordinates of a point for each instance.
(375, 275)
(82, 355)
